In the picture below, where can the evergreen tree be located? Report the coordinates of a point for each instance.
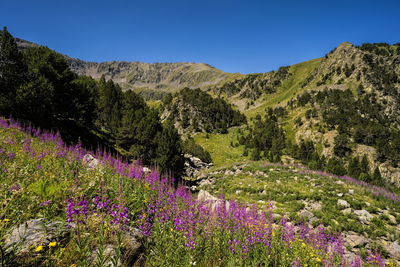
(364, 165)
(168, 156)
(377, 178)
(354, 169)
(13, 72)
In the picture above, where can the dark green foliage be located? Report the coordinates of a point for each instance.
(168, 156)
(255, 154)
(353, 169)
(265, 136)
(255, 85)
(202, 112)
(376, 176)
(109, 105)
(341, 147)
(190, 147)
(335, 166)
(359, 118)
(13, 72)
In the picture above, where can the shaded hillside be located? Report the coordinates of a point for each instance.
(196, 111)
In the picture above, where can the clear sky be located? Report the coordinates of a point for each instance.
(235, 36)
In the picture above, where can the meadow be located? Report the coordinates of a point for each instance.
(101, 199)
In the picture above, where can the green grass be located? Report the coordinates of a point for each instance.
(257, 183)
(289, 88)
(218, 145)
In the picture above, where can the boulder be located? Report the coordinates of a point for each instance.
(193, 165)
(212, 201)
(33, 233)
(355, 240)
(394, 250)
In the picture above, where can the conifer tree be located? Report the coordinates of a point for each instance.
(13, 72)
(169, 157)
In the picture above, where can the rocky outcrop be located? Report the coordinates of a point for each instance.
(24, 238)
(193, 166)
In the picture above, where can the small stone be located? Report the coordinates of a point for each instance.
(363, 215)
(343, 203)
(346, 211)
(392, 219)
(316, 206)
(307, 214)
(340, 194)
(261, 201)
(278, 181)
(238, 192)
(351, 191)
(339, 182)
(263, 192)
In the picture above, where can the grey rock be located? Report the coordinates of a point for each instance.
(394, 250)
(351, 191)
(340, 194)
(193, 166)
(26, 236)
(363, 215)
(392, 219)
(238, 192)
(354, 240)
(346, 211)
(205, 196)
(146, 170)
(307, 214)
(343, 203)
(90, 161)
(316, 206)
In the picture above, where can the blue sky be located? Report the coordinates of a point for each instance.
(235, 36)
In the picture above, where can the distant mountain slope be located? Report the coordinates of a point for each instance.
(150, 80)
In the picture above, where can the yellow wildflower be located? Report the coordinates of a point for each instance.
(52, 244)
(73, 265)
(39, 248)
(318, 259)
(6, 220)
